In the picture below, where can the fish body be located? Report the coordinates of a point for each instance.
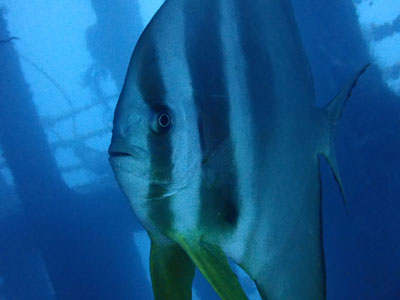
(216, 143)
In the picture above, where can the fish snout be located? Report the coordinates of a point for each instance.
(120, 149)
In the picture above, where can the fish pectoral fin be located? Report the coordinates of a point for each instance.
(213, 264)
(218, 163)
(172, 271)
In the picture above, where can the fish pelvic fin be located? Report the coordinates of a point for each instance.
(334, 111)
(213, 264)
(172, 271)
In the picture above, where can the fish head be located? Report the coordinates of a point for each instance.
(153, 151)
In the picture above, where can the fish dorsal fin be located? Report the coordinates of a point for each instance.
(199, 35)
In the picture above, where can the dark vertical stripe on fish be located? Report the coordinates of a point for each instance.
(153, 92)
(259, 86)
(260, 89)
(205, 59)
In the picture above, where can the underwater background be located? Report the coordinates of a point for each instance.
(66, 230)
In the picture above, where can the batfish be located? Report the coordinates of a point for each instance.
(216, 144)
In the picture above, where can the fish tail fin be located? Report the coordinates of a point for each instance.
(334, 111)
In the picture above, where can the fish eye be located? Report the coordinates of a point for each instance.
(164, 120)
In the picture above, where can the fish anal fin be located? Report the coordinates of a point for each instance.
(172, 271)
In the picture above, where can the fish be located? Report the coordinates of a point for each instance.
(217, 142)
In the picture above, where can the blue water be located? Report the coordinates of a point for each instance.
(66, 230)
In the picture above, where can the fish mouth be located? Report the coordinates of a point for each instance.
(123, 150)
(118, 154)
